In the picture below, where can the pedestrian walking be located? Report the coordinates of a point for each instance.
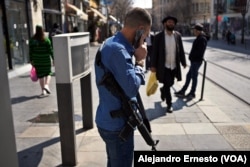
(196, 57)
(54, 31)
(228, 36)
(41, 54)
(167, 57)
(223, 34)
(149, 40)
(117, 55)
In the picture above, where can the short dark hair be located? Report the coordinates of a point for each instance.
(137, 16)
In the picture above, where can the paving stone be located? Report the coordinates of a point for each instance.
(234, 129)
(212, 142)
(91, 159)
(38, 132)
(167, 129)
(34, 144)
(199, 128)
(92, 132)
(164, 120)
(239, 141)
(247, 127)
(215, 114)
(185, 115)
(206, 102)
(166, 143)
(92, 143)
(202, 118)
(50, 156)
(187, 120)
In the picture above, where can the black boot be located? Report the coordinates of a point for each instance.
(169, 108)
(162, 94)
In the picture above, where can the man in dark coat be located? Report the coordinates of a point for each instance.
(149, 40)
(167, 57)
(54, 31)
(196, 57)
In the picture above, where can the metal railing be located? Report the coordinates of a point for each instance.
(203, 79)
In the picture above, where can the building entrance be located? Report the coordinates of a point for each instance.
(17, 32)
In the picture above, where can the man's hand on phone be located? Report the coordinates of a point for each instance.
(141, 51)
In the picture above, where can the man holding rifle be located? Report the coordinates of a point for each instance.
(114, 67)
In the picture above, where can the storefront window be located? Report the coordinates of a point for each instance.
(52, 4)
(51, 14)
(17, 31)
(50, 19)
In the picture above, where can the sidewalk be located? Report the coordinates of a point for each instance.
(219, 122)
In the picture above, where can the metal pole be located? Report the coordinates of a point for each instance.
(216, 22)
(66, 123)
(87, 104)
(67, 54)
(8, 144)
(243, 28)
(7, 37)
(203, 79)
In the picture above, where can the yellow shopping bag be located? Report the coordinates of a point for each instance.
(152, 84)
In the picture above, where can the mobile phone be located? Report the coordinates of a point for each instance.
(138, 35)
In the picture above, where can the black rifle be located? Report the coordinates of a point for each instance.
(129, 108)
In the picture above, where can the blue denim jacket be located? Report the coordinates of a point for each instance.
(116, 56)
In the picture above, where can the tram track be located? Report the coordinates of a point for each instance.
(228, 70)
(232, 81)
(232, 71)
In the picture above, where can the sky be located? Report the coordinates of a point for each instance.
(143, 3)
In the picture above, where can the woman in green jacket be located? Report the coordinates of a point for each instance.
(41, 54)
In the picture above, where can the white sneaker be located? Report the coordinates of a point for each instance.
(46, 88)
(43, 94)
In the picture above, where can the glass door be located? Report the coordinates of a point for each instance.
(18, 32)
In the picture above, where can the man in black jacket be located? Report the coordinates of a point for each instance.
(54, 31)
(196, 57)
(168, 54)
(149, 40)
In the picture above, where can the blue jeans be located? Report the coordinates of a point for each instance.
(192, 74)
(119, 152)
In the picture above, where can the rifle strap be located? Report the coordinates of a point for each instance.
(117, 113)
(120, 113)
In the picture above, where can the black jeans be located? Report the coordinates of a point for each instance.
(169, 76)
(192, 75)
(148, 58)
